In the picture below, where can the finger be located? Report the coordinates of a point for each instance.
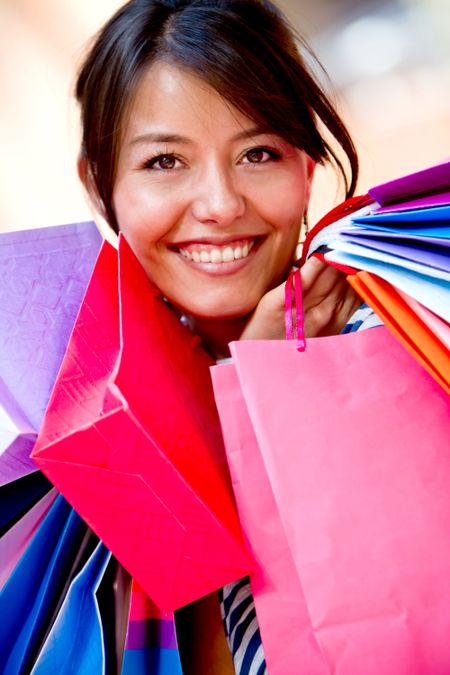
(326, 291)
(274, 299)
(329, 316)
(267, 321)
(318, 276)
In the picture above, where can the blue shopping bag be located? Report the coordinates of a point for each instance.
(33, 593)
(75, 643)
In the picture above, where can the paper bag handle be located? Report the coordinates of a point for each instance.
(293, 301)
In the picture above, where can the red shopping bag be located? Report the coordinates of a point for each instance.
(132, 440)
(353, 435)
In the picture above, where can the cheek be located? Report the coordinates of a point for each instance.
(144, 216)
(282, 200)
(285, 216)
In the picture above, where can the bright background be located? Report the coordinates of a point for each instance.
(389, 62)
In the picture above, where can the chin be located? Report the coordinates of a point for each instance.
(217, 312)
(216, 308)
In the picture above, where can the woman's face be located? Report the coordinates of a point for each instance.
(210, 204)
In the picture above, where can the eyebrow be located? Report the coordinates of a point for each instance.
(160, 138)
(251, 132)
(177, 138)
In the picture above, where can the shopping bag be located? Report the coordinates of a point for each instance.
(283, 619)
(360, 483)
(15, 540)
(433, 256)
(400, 242)
(425, 335)
(426, 184)
(17, 497)
(75, 642)
(43, 276)
(440, 329)
(132, 439)
(436, 215)
(35, 590)
(113, 599)
(151, 643)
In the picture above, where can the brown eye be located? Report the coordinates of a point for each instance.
(256, 156)
(166, 162)
(162, 163)
(261, 156)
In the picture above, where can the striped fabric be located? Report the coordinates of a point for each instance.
(241, 628)
(236, 601)
(363, 318)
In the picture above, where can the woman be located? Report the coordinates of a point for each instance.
(200, 138)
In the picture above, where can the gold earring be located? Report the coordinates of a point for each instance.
(304, 228)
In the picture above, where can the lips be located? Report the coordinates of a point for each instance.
(199, 252)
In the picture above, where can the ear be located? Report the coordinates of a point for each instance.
(85, 176)
(83, 171)
(310, 168)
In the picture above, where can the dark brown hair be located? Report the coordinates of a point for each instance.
(244, 49)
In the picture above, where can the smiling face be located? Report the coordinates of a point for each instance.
(210, 204)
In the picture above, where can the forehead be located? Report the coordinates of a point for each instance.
(174, 98)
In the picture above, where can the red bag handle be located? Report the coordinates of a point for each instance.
(293, 302)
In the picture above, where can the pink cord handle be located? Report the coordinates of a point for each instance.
(293, 301)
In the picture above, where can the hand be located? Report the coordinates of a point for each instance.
(328, 303)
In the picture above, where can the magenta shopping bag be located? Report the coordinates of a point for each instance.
(353, 435)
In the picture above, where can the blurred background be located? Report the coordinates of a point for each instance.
(388, 60)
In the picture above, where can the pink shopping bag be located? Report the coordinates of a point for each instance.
(279, 600)
(353, 435)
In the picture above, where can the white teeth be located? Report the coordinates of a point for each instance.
(227, 254)
(218, 255)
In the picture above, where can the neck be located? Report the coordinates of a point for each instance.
(216, 335)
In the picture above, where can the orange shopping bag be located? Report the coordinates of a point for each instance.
(416, 334)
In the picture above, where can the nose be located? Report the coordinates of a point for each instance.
(217, 199)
